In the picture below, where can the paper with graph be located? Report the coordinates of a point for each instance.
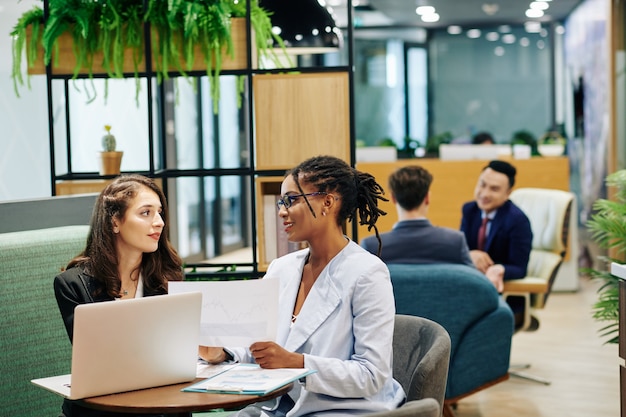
(235, 313)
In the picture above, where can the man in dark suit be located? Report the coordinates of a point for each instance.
(502, 248)
(414, 240)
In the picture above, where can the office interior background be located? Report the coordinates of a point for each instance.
(409, 82)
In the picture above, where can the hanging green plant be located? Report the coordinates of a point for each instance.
(186, 25)
(107, 35)
(608, 229)
(120, 28)
(31, 19)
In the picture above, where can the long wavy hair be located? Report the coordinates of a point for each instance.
(100, 258)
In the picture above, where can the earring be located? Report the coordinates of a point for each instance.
(323, 213)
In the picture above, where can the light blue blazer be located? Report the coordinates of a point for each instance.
(345, 331)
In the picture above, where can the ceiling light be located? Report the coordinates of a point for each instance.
(422, 10)
(504, 28)
(306, 26)
(430, 18)
(492, 36)
(490, 8)
(533, 13)
(454, 30)
(539, 5)
(524, 41)
(498, 51)
(509, 38)
(532, 27)
(473, 33)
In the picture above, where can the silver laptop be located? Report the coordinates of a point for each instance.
(131, 344)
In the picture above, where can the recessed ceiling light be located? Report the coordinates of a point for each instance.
(429, 18)
(492, 36)
(473, 33)
(490, 8)
(524, 41)
(504, 28)
(454, 30)
(539, 5)
(422, 10)
(533, 13)
(509, 38)
(532, 27)
(498, 51)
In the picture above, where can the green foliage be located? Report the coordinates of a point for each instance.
(608, 229)
(524, 137)
(386, 142)
(34, 19)
(433, 142)
(113, 26)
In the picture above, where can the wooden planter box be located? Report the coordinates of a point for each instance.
(67, 61)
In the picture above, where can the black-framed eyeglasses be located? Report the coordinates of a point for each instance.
(287, 200)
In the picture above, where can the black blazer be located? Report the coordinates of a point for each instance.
(510, 237)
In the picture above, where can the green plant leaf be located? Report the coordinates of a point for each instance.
(607, 227)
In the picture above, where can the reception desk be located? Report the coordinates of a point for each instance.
(454, 182)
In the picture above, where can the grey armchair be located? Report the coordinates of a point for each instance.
(426, 407)
(467, 305)
(421, 355)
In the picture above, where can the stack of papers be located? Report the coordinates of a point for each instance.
(248, 379)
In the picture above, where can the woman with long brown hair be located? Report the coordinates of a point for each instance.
(127, 255)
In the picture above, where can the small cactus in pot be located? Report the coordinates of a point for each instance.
(108, 140)
(110, 159)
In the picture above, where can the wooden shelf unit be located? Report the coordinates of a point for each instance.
(295, 115)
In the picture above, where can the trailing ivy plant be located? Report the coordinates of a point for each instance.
(109, 27)
(608, 229)
(33, 18)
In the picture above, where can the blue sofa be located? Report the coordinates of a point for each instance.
(468, 306)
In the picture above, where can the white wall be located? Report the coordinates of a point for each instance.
(24, 151)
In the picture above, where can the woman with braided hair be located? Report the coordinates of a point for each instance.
(336, 306)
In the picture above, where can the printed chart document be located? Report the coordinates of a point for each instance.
(234, 313)
(250, 379)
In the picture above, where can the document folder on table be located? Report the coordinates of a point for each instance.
(249, 379)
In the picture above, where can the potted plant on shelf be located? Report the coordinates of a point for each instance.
(109, 38)
(608, 229)
(110, 159)
(551, 144)
(433, 142)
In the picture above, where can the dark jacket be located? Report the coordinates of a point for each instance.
(509, 240)
(419, 242)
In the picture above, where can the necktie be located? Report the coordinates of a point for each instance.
(482, 233)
